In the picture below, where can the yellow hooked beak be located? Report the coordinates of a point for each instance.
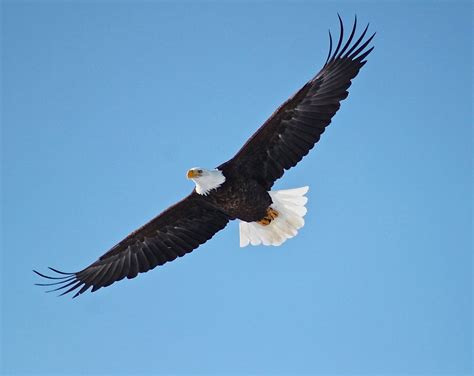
(193, 174)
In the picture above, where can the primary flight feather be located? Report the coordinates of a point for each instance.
(239, 188)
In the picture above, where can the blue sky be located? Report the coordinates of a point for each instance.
(105, 105)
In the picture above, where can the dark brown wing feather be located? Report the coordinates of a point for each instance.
(293, 129)
(175, 232)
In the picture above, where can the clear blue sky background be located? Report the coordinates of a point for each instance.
(107, 104)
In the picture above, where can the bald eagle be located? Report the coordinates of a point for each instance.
(239, 188)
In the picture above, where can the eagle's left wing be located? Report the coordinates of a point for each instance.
(175, 232)
(293, 129)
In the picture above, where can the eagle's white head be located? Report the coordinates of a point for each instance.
(206, 180)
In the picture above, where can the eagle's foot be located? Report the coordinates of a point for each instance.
(269, 217)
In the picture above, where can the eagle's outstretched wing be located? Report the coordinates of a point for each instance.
(175, 232)
(293, 129)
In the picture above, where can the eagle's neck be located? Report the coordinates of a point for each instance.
(210, 180)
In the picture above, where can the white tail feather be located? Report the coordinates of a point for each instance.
(290, 205)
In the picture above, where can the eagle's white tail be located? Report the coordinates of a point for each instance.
(290, 205)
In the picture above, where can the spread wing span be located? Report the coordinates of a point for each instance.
(175, 232)
(279, 144)
(293, 129)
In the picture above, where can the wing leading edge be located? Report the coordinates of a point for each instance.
(295, 127)
(174, 233)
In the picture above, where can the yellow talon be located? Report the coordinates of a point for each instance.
(269, 217)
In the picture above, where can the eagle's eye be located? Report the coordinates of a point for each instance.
(199, 171)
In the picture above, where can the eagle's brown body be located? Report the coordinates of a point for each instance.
(243, 199)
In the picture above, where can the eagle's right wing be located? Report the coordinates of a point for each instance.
(175, 232)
